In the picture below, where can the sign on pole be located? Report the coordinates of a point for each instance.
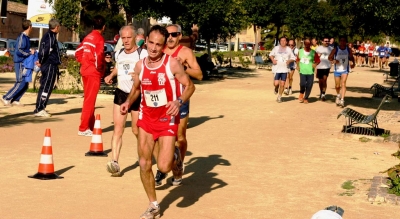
(40, 13)
(3, 8)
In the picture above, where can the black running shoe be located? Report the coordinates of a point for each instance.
(159, 177)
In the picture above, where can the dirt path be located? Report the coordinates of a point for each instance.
(248, 156)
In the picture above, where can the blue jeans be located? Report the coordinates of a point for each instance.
(20, 86)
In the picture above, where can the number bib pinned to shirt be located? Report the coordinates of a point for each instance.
(155, 98)
(305, 60)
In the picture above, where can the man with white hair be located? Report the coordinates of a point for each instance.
(126, 60)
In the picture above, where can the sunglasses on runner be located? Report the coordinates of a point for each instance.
(108, 57)
(174, 34)
(291, 44)
(326, 41)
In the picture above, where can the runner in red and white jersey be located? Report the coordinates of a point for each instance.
(371, 60)
(154, 80)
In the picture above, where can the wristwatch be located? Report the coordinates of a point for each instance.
(180, 101)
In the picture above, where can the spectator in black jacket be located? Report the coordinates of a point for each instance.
(49, 59)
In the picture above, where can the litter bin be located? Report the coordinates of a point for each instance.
(394, 68)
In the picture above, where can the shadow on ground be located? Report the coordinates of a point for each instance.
(195, 121)
(61, 171)
(55, 101)
(23, 118)
(231, 73)
(201, 178)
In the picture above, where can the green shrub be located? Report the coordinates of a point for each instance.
(394, 176)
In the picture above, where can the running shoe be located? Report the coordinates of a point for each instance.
(279, 99)
(113, 168)
(42, 113)
(290, 91)
(5, 102)
(305, 101)
(338, 99)
(286, 91)
(301, 98)
(17, 103)
(88, 132)
(177, 171)
(159, 177)
(323, 97)
(275, 91)
(176, 182)
(341, 103)
(152, 212)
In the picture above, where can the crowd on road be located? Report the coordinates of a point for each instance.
(315, 60)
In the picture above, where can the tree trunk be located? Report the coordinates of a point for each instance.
(278, 29)
(208, 49)
(255, 48)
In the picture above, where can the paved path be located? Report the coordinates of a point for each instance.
(249, 157)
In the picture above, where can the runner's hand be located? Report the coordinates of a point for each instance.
(124, 108)
(179, 59)
(173, 108)
(132, 74)
(108, 79)
(274, 61)
(195, 28)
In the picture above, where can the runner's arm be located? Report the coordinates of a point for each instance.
(108, 79)
(194, 68)
(332, 55)
(183, 78)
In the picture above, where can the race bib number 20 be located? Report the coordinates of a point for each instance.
(155, 98)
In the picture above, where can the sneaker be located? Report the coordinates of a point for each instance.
(178, 170)
(17, 103)
(305, 101)
(301, 98)
(159, 177)
(341, 103)
(286, 91)
(6, 102)
(152, 212)
(42, 113)
(338, 99)
(275, 92)
(323, 97)
(176, 182)
(113, 168)
(279, 99)
(290, 91)
(88, 132)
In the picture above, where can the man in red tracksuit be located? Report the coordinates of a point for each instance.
(90, 53)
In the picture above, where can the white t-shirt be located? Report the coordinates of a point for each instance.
(324, 53)
(281, 55)
(125, 65)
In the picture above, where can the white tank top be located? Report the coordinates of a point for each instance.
(343, 57)
(125, 65)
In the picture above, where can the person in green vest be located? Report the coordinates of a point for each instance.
(307, 60)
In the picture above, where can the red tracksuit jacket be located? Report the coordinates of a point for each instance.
(90, 53)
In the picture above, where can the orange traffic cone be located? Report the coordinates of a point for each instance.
(46, 166)
(96, 146)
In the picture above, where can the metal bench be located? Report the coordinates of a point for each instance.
(353, 117)
(380, 89)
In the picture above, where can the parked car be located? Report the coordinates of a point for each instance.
(246, 46)
(35, 45)
(223, 47)
(70, 48)
(7, 47)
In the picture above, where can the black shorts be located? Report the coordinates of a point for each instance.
(120, 98)
(322, 72)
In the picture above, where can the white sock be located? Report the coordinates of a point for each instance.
(155, 203)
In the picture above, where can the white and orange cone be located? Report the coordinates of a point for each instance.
(46, 165)
(96, 146)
